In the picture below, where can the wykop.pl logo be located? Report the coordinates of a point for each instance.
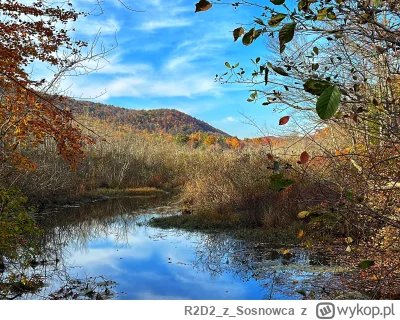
(325, 310)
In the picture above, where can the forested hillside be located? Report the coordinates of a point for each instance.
(165, 120)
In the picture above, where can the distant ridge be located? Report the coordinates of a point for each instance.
(166, 120)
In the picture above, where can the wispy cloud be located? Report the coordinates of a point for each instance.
(162, 24)
(106, 27)
(229, 119)
(144, 86)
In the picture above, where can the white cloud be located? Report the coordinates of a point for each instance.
(201, 46)
(229, 119)
(151, 86)
(108, 26)
(165, 23)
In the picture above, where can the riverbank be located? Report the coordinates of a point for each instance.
(100, 194)
(233, 224)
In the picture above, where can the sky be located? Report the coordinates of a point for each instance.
(167, 57)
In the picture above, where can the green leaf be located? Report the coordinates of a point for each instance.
(254, 95)
(316, 87)
(328, 102)
(250, 36)
(366, 264)
(227, 65)
(278, 183)
(276, 19)
(280, 71)
(278, 2)
(266, 76)
(303, 5)
(286, 34)
(237, 33)
(349, 194)
(316, 50)
(331, 15)
(260, 22)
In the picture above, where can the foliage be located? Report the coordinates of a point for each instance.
(17, 227)
(324, 43)
(335, 64)
(19, 240)
(38, 33)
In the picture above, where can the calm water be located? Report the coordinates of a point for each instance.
(110, 245)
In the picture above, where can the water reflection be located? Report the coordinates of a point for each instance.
(110, 246)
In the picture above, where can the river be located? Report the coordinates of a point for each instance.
(107, 250)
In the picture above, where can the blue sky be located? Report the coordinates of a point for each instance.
(168, 56)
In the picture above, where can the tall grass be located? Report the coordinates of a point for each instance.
(213, 182)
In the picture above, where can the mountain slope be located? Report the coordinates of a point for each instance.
(166, 120)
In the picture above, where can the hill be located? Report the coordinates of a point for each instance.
(170, 121)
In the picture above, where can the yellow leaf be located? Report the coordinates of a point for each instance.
(287, 251)
(300, 233)
(303, 214)
(349, 240)
(348, 249)
(374, 277)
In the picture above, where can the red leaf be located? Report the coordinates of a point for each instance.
(283, 120)
(304, 157)
(270, 156)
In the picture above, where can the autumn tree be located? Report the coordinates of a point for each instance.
(233, 142)
(31, 108)
(39, 33)
(210, 140)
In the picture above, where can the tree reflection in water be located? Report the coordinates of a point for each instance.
(298, 274)
(72, 230)
(49, 275)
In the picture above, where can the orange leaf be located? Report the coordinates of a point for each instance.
(283, 120)
(300, 234)
(203, 5)
(304, 157)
